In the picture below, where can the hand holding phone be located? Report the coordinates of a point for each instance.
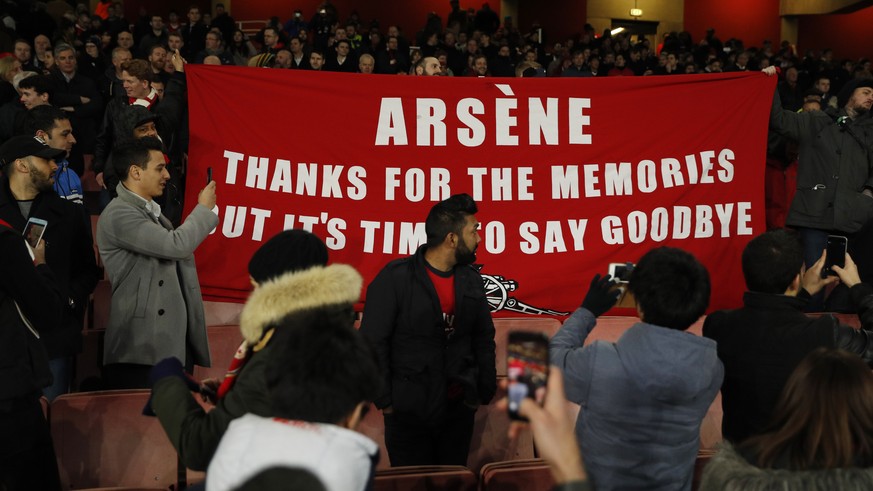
(34, 230)
(836, 255)
(527, 368)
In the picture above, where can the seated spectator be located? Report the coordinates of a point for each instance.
(761, 343)
(214, 47)
(620, 69)
(240, 48)
(645, 395)
(290, 279)
(366, 63)
(819, 436)
(343, 60)
(321, 378)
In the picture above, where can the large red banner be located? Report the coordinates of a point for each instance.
(570, 174)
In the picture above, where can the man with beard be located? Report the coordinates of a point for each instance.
(429, 321)
(53, 193)
(834, 183)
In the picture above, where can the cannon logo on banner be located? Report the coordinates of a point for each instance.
(569, 174)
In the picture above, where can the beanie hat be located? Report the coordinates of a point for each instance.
(291, 250)
(849, 89)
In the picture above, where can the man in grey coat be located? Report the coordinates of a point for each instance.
(157, 310)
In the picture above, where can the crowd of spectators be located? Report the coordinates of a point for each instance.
(112, 81)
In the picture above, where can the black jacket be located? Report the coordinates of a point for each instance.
(116, 127)
(85, 116)
(761, 344)
(24, 370)
(836, 163)
(71, 256)
(403, 319)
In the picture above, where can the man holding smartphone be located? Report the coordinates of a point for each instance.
(429, 321)
(157, 309)
(644, 396)
(26, 191)
(30, 307)
(762, 342)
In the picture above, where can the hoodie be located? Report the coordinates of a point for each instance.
(643, 399)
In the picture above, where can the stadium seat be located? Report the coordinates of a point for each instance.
(422, 478)
(490, 442)
(223, 343)
(527, 475)
(222, 313)
(102, 439)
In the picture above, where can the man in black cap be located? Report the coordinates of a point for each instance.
(834, 182)
(27, 191)
(30, 305)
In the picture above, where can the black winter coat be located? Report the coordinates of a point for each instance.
(403, 319)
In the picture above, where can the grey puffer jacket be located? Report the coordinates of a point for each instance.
(729, 471)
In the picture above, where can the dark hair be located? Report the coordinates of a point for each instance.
(447, 216)
(140, 69)
(41, 84)
(133, 152)
(321, 367)
(671, 288)
(43, 118)
(153, 48)
(772, 260)
(824, 417)
(290, 250)
(348, 43)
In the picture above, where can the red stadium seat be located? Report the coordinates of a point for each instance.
(426, 477)
(102, 439)
(529, 475)
(491, 442)
(223, 343)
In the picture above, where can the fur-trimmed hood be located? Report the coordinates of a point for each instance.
(729, 471)
(296, 291)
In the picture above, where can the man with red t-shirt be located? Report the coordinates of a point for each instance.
(431, 326)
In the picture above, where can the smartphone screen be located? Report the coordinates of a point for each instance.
(527, 368)
(621, 272)
(208, 175)
(836, 254)
(33, 231)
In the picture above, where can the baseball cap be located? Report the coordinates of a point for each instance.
(24, 146)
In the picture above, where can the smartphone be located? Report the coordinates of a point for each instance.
(836, 255)
(33, 231)
(527, 368)
(208, 175)
(621, 272)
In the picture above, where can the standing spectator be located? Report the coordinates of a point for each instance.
(295, 24)
(789, 90)
(78, 96)
(640, 426)
(28, 290)
(391, 60)
(24, 55)
(113, 84)
(620, 69)
(156, 35)
(193, 34)
(430, 324)
(834, 187)
(71, 256)
(157, 310)
(272, 44)
(299, 57)
(343, 61)
(223, 22)
(487, 20)
(761, 343)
